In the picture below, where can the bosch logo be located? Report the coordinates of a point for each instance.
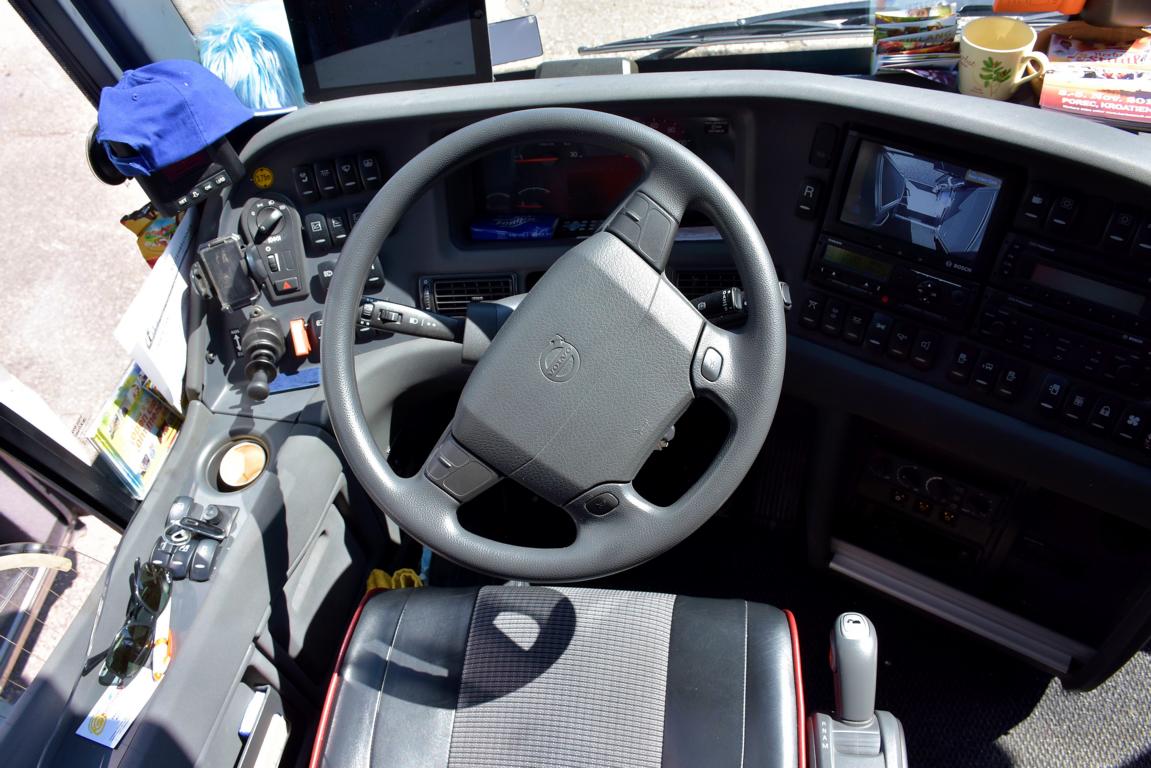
(560, 361)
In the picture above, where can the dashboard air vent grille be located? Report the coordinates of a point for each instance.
(451, 295)
(700, 282)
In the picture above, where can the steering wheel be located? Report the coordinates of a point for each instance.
(595, 365)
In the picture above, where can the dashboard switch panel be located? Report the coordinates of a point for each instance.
(276, 246)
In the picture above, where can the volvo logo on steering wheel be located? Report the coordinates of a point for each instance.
(560, 361)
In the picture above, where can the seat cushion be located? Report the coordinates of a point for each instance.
(538, 676)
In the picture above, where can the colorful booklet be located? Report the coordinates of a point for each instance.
(914, 34)
(134, 432)
(1104, 81)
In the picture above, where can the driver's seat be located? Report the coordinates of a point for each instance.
(513, 676)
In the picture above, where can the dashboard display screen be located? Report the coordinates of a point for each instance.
(1085, 288)
(932, 204)
(346, 47)
(858, 262)
(550, 189)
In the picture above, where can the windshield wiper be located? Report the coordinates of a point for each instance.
(849, 19)
(837, 20)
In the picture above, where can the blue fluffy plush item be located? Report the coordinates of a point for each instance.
(245, 51)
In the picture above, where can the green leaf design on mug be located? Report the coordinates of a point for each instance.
(993, 72)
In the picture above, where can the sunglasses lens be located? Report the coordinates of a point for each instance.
(153, 586)
(127, 654)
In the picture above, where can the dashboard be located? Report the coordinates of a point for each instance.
(970, 327)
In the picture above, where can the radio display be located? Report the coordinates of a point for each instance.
(880, 270)
(1085, 288)
(935, 205)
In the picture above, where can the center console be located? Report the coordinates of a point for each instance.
(989, 282)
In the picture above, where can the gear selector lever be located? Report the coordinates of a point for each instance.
(854, 662)
(857, 736)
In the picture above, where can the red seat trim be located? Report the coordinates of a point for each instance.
(798, 689)
(334, 685)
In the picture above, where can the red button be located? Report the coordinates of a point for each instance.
(286, 285)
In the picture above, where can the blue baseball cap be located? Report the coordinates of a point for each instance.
(165, 112)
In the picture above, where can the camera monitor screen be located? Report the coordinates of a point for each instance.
(350, 47)
(935, 205)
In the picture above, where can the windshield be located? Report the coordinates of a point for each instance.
(566, 26)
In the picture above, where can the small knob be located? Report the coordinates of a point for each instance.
(909, 477)
(938, 488)
(267, 223)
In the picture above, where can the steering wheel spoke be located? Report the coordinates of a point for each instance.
(715, 371)
(648, 220)
(457, 471)
(610, 504)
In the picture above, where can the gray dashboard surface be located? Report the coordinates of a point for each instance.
(773, 115)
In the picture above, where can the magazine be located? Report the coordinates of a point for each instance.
(134, 432)
(914, 34)
(1104, 81)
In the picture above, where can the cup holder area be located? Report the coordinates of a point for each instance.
(237, 464)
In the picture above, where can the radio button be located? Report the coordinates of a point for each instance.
(810, 193)
(305, 182)
(1103, 415)
(855, 325)
(812, 311)
(962, 363)
(1143, 239)
(1120, 230)
(833, 313)
(326, 179)
(1132, 425)
(899, 348)
(823, 146)
(1078, 407)
(986, 372)
(1063, 215)
(877, 332)
(1037, 204)
(1093, 361)
(923, 352)
(1052, 393)
(1010, 382)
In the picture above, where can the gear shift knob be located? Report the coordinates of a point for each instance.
(854, 663)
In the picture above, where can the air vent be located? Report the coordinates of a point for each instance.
(451, 295)
(700, 282)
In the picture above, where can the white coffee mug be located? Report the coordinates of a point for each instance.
(995, 55)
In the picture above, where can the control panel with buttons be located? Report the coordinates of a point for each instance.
(193, 538)
(1052, 325)
(346, 175)
(1095, 409)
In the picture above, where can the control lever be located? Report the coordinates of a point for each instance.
(854, 663)
(722, 307)
(399, 318)
(858, 736)
(262, 344)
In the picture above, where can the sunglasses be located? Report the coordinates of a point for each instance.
(151, 587)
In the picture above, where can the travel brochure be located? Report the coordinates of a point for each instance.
(1104, 81)
(914, 35)
(134, 432)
